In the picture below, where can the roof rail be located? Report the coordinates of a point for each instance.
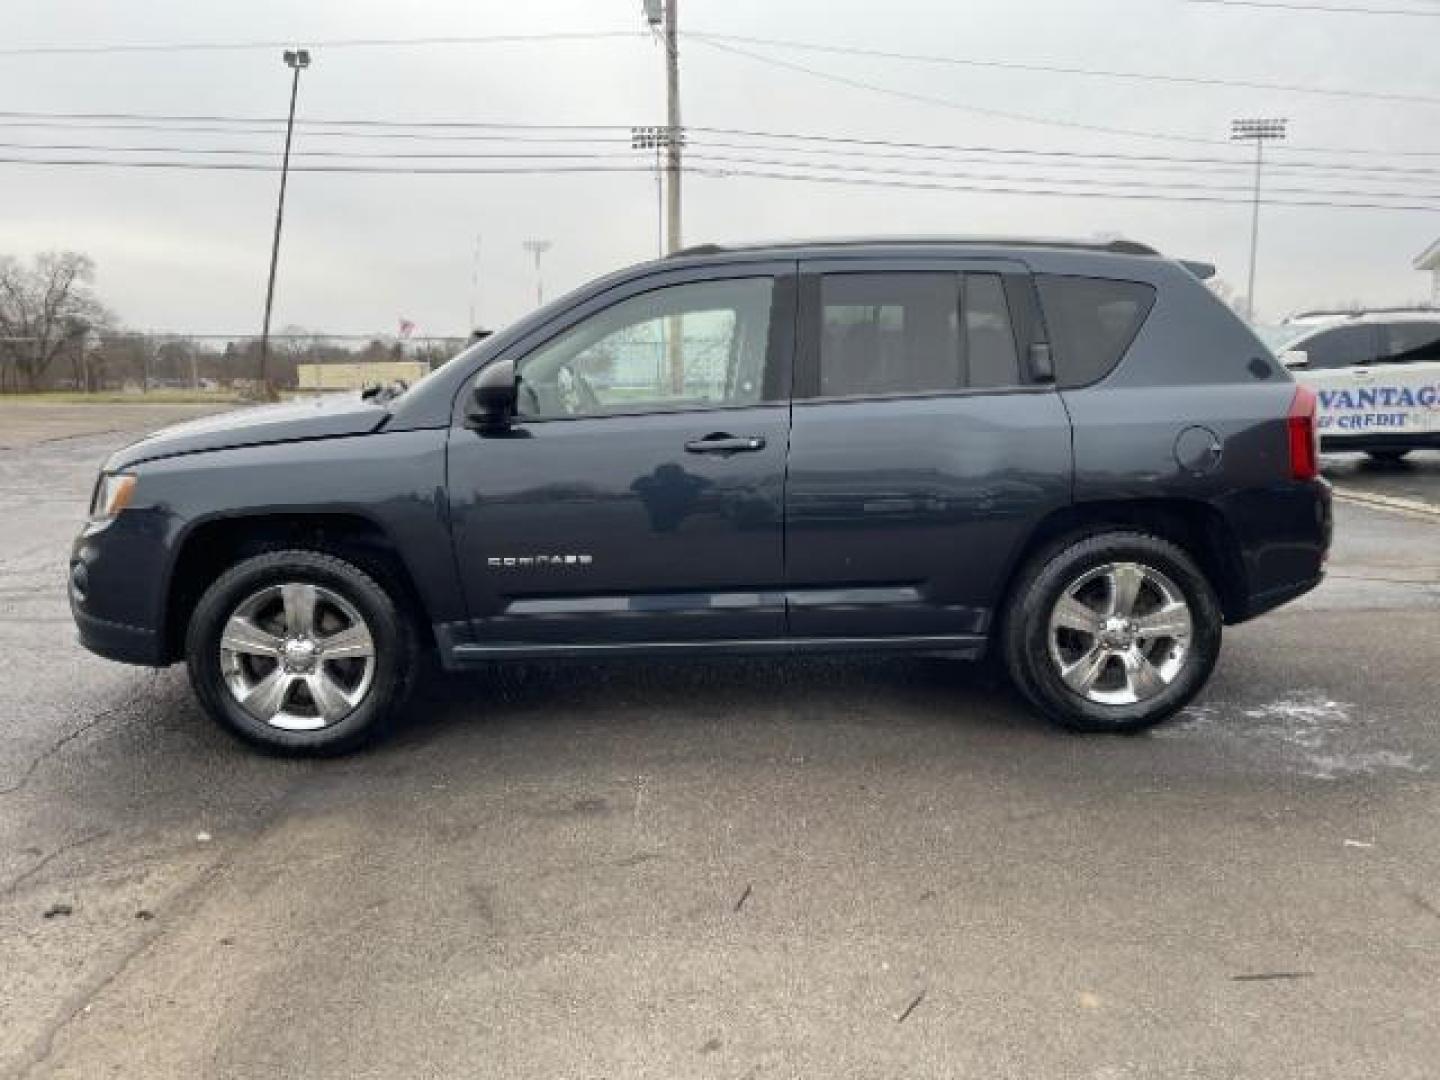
(697, 249)
(1355, 313)
(1117, 246)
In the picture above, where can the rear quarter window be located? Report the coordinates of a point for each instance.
(1092, 322)
(1339, 347)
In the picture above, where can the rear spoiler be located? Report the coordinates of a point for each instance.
(1203, 271)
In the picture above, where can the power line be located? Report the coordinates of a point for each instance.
(948, 103)
(1029, 118)
(201, 129)
(1060, 69)
(247, 166)
(1079, 181)
(326, 43)
(924, 186)
(1290, 5)
(861, 141)
(466, 129)
(1133, 163)
(844, 50)
(246, 151)
(279, 121)
(1077, 188)
(1077, 160)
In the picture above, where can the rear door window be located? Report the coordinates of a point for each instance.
(1092, 322)
(914, 333)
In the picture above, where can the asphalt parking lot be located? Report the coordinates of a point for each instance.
(874, 867)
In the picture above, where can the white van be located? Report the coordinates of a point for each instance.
(1377, 374)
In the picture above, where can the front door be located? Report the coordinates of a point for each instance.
(639, 496)
(923, 449)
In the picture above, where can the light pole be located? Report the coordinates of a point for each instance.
(1256, 130)
(297, 60)
(538, 248)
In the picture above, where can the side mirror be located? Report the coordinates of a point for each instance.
(1293, 358)
(494, 397)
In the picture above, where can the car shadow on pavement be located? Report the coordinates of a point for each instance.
(884, 691)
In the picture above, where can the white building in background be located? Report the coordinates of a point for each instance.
(1429, 261)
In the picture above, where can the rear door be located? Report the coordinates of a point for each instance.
(923, 449)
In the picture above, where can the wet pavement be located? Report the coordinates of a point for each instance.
(1415, 477)
(868, 867)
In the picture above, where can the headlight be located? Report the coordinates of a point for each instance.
(112, 494)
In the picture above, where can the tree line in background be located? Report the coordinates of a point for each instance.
(55, 334)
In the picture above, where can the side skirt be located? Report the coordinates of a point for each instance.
(461, 654)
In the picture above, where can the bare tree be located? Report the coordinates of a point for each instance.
(43, 308)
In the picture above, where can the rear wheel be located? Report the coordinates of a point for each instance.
(300, 652)
(1388, 457)
(1111, 632)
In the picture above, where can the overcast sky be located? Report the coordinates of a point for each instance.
(188, 249)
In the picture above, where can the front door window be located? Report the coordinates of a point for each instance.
(684, 347)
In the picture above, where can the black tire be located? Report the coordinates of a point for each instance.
(1025, 641)
(1388, 457)
(391, 631)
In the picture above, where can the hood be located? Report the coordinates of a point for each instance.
(312, 418)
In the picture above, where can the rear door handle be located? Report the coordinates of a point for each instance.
(722, 442)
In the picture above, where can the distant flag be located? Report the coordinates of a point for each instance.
(406, 328)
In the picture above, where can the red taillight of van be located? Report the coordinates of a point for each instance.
(1304, 435)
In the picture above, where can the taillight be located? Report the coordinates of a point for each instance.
(1304, 435)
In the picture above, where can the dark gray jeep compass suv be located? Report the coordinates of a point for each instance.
(1069, 454)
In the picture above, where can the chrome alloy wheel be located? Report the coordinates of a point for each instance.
(297, 656)
(1120, 633)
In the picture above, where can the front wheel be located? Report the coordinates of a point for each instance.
(300, 652)
(1113, 632)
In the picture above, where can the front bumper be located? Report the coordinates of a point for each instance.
(114, 584)
(117, 641)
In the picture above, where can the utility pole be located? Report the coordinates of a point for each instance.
(672, 121)
(664, 18)
(538, 248)
(1256, 130)
(297, 60)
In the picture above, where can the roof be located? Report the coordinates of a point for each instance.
(1115, 247)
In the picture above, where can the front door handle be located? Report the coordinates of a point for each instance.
(722, 442)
